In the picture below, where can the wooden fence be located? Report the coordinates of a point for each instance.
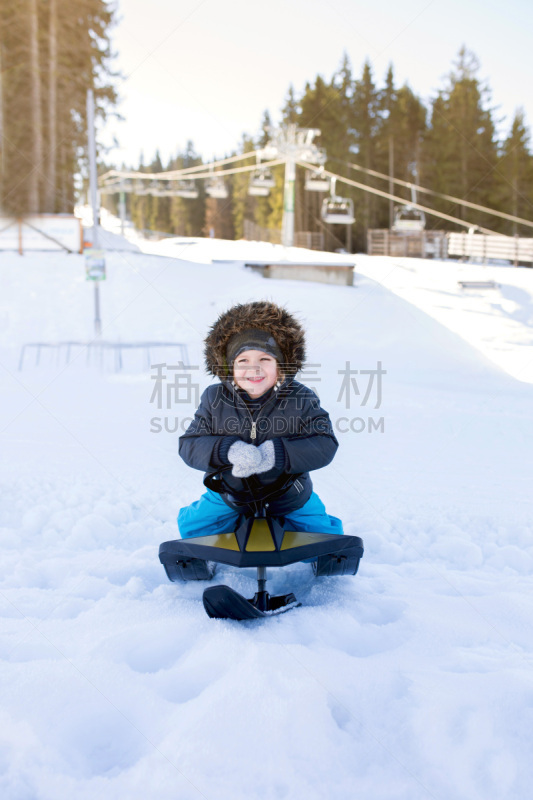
(423, 244)
(483, 247)
(255, 233)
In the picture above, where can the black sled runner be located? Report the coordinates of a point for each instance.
(259, 540)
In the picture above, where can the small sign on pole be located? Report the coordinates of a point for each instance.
(95, 258)
(95, 264)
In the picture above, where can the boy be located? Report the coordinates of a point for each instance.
(259, 432)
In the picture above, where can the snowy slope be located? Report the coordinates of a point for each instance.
(498, 321)
(410, 681)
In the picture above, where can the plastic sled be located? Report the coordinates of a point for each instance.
(259, 540)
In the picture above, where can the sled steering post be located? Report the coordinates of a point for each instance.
(262, 601)
(261, 586)
(261, 579)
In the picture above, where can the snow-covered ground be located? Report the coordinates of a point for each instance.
(497, 321)
(411, 681)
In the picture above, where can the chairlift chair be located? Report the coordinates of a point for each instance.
(337, 210)
(316, 181)
(187, 189)
(165, 190)
(160, 188)
(141, 187)
(216, 188)
(257, 190)
(122, 185)
(408, 220)
(261, 182)
(154, 188)
(109, 188)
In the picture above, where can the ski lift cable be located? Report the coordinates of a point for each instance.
(449, 197)
(170, 175)
(202, 176)
(235, 170)
(112, 179)
(212, 164)
(404, 202)
(184, 171)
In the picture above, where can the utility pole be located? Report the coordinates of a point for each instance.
(122, 207)
(94, 201)
(287, 226)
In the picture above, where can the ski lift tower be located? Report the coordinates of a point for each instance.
(294, 145)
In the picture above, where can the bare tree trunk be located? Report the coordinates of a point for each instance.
(367, 210)
(2, 147)
(33, 194)
(52, 109)
(63, 162)
(391, 176)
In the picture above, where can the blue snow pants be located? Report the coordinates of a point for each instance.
(210, 515)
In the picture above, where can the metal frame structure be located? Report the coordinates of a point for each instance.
(94, 351)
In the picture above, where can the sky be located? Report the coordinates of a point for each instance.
(206, 70)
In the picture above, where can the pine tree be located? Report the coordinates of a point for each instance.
(158, 207)
(52, 51)
(243, 206)
(460, 150)
(515, 170)
(409, 125)
(262, 206)
(265, 130)
(187, 216)
(218, 216)
(34, 182)
(366, 120)
(50, 189)
(400, 139)
(138, 202)
(17, 138)
(323, 107)
(290, 110)
(386, 145)
(326, 106)
(218, 212)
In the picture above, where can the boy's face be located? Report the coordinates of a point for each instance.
(255, 371)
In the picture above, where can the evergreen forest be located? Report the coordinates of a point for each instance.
(52, 51)
(451, 146)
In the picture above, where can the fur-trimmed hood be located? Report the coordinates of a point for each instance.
(262, 315)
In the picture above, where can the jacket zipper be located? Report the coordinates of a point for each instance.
(253, 429)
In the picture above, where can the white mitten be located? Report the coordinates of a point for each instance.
(245, 458)
(268, 456)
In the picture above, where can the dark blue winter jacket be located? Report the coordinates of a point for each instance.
(291, 416)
